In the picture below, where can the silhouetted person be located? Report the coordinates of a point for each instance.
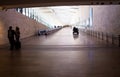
(17, 38)
(11, 34)
(17, 34)
(74, 29)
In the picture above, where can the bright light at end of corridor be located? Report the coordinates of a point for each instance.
(62, 15)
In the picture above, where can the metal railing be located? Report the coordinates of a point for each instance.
(106, 37)
(48, 31)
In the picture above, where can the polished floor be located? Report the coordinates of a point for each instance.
(61, 55)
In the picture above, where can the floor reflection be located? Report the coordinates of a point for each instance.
(75, 36)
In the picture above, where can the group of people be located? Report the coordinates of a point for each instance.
(14, 38)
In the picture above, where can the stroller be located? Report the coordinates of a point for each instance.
(75, 31)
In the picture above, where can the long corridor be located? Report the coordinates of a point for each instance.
(61, 54)
(64, 37)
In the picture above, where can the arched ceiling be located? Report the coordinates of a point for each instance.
(64, 16)
(38, 3)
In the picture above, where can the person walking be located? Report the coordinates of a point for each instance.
(11, 34)
(17, 38)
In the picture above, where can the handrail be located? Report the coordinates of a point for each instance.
(109, 38)
(47, 31)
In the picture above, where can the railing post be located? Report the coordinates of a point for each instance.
(93, 33)
(112, 39)
(99, 35)
(90, 32)
(106, 37)
(96, 34)
(102, 35)
(119, 40)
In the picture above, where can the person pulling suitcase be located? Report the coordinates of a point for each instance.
(17, 37)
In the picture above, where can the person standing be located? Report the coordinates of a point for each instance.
(17, 38)
(11, 34)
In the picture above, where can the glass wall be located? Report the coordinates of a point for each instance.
(33, 13)
(87, 21)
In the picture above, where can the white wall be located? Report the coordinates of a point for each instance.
(28, 27)
(106, 18)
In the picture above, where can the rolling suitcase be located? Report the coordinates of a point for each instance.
(18, 45)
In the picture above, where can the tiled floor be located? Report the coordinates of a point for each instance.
(61, 55)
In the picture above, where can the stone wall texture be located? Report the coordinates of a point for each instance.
(11, 17)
